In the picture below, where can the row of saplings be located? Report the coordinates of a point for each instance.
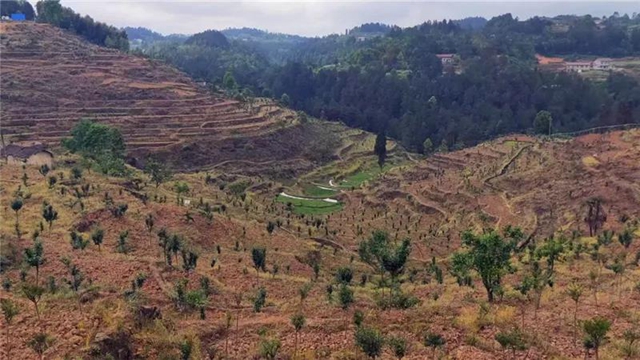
(488, 254)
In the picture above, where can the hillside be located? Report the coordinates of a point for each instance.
(51, 79)
(540, 185)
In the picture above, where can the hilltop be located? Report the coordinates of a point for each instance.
(51, 79)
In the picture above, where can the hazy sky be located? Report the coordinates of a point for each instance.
(313, 18)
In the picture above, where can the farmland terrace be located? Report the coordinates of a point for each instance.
(51, 79)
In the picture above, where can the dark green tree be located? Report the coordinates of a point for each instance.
(259, 257)
(543, 122)
(380, 148)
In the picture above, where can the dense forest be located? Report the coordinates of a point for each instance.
(394, 83)
(50, 11)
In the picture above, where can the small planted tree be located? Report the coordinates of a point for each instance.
(625, 238)
(595, 331)
(511, 340)
(40, 343)
(370, 341)
(122, 246)
(97, 236)
(181, 188)
(149, 222)
(52, 180)
(9, 311)
(345, 296)
(259, 257)
(197, 300)
(44, 170)
(158, 173)
(344, 275)
(488, 255)
(574, 290)
(77, 241)
(298, 321)
(33, 293)
(434, 341)
(304, 293)
(49, 214)
(398, 346)
(260, 300)
(269, 348)
(16, 205)
(34, 257)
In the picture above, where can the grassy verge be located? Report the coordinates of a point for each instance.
(365, 174)
(310, 206)
(313, 190)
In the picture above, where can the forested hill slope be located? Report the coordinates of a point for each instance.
(51, 79)
(396, 83)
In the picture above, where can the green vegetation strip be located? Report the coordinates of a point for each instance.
(310, 206)
(317, 191)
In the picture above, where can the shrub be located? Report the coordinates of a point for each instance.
(398, 346)
(370, 341)
(269, 348)
(344, 275)
(260, 300)
(345, 296)
(511, 340)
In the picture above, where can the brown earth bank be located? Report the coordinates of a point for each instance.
(543, 189)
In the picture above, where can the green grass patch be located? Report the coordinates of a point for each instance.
(310, 206)
(313, 190)
(358, 178)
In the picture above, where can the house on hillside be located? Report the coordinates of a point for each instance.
(27, 153)
(602, 64)
(446, 59)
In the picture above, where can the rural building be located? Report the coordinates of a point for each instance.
(578, 65)
(597, 64)
(32, 153)
(446, 59)
(602, 64)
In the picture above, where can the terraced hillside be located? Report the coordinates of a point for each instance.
(51, 79)
(539, 185)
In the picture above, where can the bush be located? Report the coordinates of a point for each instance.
(269, 348)
(260, 300)
(370, 341)
(397, 300)
(345, 296)
(344, 275)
